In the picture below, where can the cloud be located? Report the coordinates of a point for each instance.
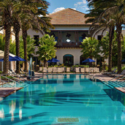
(74, 8)
(81, 5)
(61, 8)
(58, 9)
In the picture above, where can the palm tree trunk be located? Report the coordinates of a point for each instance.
(44, 63)
(17, 51)
(24, 33)
(111, 35)
(119, 32)
(17, 30)
(6, 49)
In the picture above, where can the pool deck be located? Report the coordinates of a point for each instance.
(102, 78)
(4, 92)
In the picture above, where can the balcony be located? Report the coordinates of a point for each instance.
(68, 45)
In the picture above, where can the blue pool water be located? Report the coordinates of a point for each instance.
(65, 97)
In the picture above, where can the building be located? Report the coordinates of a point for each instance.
(70, 30)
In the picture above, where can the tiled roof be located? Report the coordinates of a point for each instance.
(68, 17)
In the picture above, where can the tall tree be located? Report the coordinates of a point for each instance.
(46, 49)
(89, 46)
(114, 11)
(35, 18)
(99, 24)
(6, 8)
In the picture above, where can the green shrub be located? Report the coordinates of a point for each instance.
(106, 68)
(123, 68)
(1, 72)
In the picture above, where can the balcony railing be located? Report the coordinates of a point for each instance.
(71, 45)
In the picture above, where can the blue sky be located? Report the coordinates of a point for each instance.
(56, 5)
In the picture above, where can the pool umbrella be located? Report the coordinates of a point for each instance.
(123, 60)
(19, 58)
(53, 60)
(11, 58)
(88, 60)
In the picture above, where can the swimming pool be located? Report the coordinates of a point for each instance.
(64, 100)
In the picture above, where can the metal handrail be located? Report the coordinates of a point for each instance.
(8, 78)
(17, 79)
(8, 82)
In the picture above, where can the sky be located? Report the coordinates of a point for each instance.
(57, 5)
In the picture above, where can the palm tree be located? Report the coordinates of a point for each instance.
(6, 8)
(113, 11)
(31, 19)
(17, 12)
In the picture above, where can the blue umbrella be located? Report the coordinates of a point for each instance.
(88, 60)
(16, 58)
(19, 58)
(53, 60)
(123, 60)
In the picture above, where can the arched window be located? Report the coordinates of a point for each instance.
(68, 60)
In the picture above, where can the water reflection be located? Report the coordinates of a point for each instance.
(12, 109)
(2, 113)
(45, 100)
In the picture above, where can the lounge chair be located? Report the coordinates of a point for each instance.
(77, 70)
(59, 70)
(45, 70)
(91, 70)
(50, 69)
(63, 69)
(40, 69)
(119, 75)
(82, 70)
(87, 70)
(67, 69)
(96, 70)
(110, 73)
(55, 70)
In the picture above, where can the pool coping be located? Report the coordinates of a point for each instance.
(120, 89)
(8, 91)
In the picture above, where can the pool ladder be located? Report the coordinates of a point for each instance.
(11, 83)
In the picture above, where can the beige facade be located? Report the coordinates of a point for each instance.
(76, 53)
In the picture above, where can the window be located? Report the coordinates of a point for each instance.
(36, 38)
(100, 37)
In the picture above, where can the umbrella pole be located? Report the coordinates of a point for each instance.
(2, 66)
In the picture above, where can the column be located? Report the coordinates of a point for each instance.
(76, 37)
